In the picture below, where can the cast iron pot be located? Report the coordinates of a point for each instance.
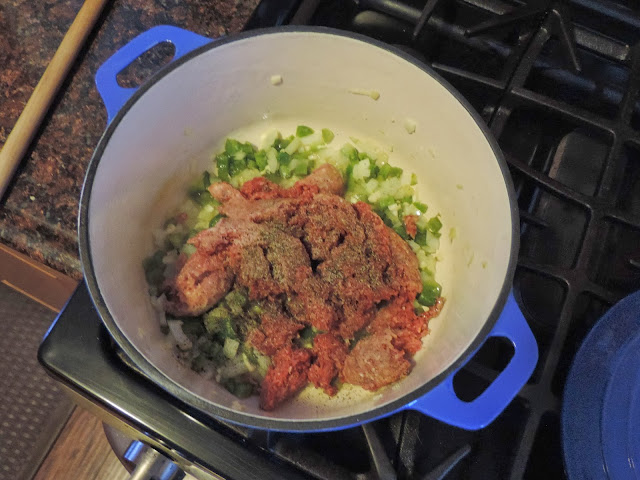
(162, 135)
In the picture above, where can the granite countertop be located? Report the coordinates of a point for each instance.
(38, 214)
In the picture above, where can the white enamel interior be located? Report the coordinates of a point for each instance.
(167, 138)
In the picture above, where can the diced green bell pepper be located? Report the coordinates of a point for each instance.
(303, 131)
(214, 221)
(222, 161)
(430, 292)
(261, 160)
(284, 158)
(302, 168)
(434, 224)
(327, 135)
(420, 206)
(237, 166)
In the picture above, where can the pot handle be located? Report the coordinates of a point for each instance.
(113, 95)
(443, 404)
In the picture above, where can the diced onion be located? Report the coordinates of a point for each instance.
(158, 306)
(410, 126)
(269, 137)
(182, 341)
(361, 169)
(230, 347)
(293, 147)
(276, 80)
(231, 370)
(272, 161)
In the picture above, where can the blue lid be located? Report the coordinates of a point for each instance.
(601, 405)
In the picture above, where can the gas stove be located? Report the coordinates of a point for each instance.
(557, 83)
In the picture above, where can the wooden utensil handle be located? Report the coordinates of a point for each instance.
(27, 125)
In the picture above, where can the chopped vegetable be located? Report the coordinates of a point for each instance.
(222, 162)
(232, 369)
(238, 388)
(206, 179)
(284, 158)
(182, 341)
(192, 326)
(199, 363)
(215, 317)
(421, 238)
(434, 224)
(154, 268)
(303, 131)
(230, 347)
(420, 206)
(368, 93)
(410, 126)
(235, 300)
(215, 220)
(430, 292)
(301, 169)
(327, 135)
(276, 79)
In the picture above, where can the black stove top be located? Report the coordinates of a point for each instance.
(557, 83)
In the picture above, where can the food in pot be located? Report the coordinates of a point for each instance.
(298, 264)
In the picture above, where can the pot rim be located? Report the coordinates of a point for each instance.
(236, 416)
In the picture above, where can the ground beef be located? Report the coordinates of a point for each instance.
(330, 352)
(288, 258)
(326, 178)
(260, 188)
(196, 289)
(286, 376)
(254, 273)
(327, 223)
(404, 268)
(406, 341)
(275, 332)
(435, 309)
(410, 225)
(312, 303)
(375, 362)
(319, 262)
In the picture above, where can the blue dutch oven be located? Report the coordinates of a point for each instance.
(161, 134)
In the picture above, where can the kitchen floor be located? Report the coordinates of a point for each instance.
(81, 452)
(32, 295)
